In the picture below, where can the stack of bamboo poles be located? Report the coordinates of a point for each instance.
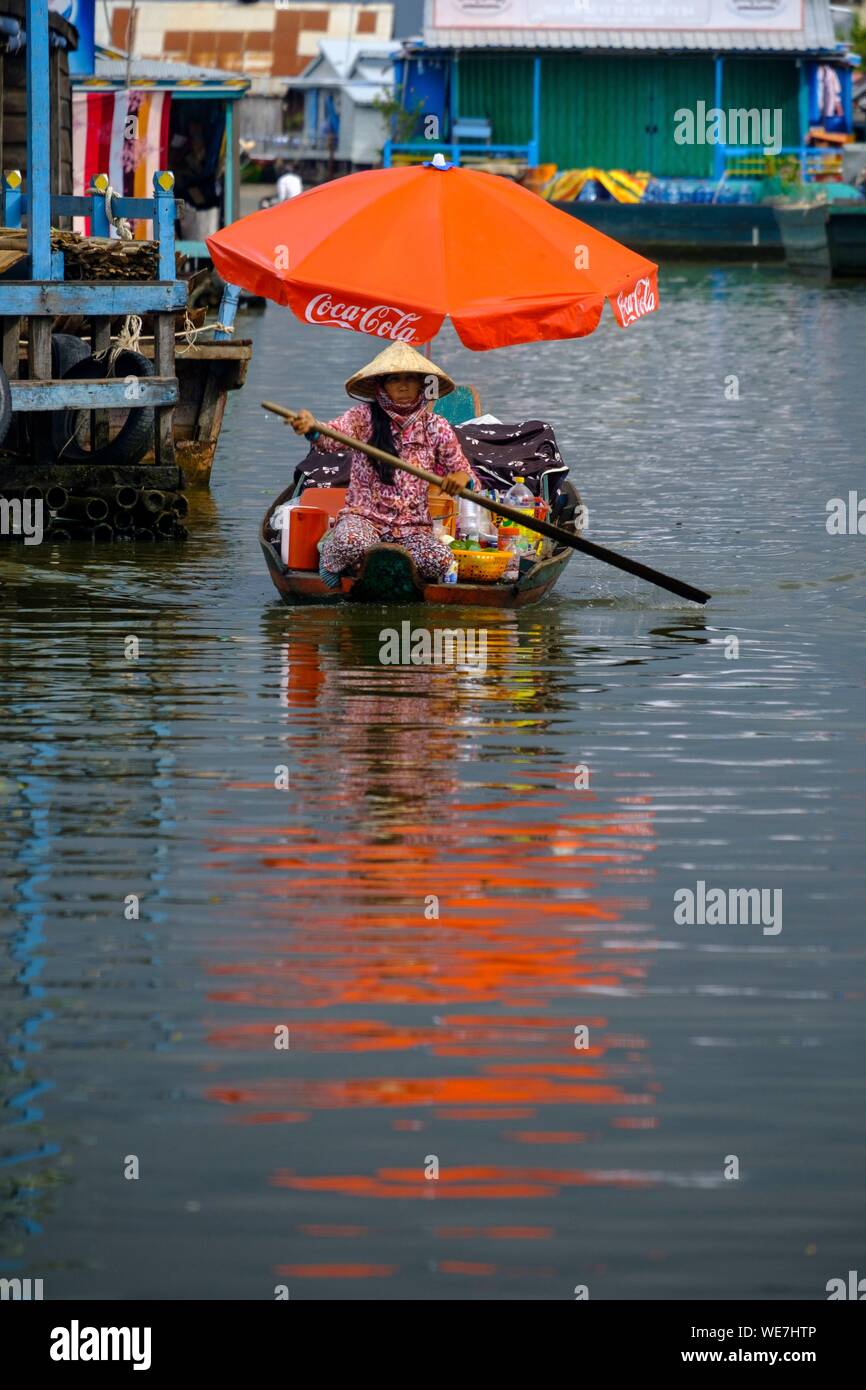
(89, 258)
(115, 512)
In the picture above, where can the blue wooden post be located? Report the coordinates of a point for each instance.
(38, 141)
(164, 209)
(163, 222)
(228, 309)
(229, 214)
(718, 94)
(535, 142)
(12, 198)
(99, 223)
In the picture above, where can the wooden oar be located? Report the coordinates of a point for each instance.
(531, 523)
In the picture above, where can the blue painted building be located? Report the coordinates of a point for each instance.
(601, 83)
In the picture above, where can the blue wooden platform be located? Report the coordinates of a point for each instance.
(117, 394)
(40, 292)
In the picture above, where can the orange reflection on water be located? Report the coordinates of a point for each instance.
(398, 1091)
(348, 940)
(376, 1187)
(466, 1183)
(459, 1013)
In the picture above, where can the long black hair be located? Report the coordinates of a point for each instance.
(382, 438)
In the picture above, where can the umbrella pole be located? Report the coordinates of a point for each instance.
(530, 523)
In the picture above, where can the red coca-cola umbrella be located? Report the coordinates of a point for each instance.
(394, 252)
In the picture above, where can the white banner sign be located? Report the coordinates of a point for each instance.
(618, 14)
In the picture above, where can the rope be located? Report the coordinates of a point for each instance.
(127, 340)
(130, 335)
(189, 332)
(124, 230)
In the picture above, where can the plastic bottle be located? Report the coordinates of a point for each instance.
(488, 532)
(511, 543)
(451, 574)
(467, 517)
(520, 497)
(472, 519)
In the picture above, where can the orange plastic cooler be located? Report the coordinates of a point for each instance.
(307, 526)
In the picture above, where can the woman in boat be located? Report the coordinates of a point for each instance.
(382, 502)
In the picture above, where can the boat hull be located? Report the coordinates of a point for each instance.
(804, 236)
(846, 240)
(206, 372)
(708, 231)
(305, 588)
(825, 238)
(389, 575)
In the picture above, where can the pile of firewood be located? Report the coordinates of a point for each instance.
(89, 258)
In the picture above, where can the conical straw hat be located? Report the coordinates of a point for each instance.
(399, 357)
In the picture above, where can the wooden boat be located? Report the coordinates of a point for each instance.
(205, 372)
(389, 574)
(824, 237)
(846, 238)
(803, 227)
(700, 231)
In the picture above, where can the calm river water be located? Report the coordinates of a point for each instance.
(612, 1099)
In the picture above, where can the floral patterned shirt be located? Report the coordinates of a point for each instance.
(404, 503)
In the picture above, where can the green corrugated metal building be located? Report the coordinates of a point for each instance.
(588, 93)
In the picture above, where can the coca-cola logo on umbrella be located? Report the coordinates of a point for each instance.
(641, 300)
(380, 320)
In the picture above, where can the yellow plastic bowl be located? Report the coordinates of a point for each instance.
(481, 566)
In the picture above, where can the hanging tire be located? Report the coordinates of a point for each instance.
(5, 405)
(66, 352)
(136, 434)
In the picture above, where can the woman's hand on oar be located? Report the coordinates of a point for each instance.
(454, 483)
(302, 422)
